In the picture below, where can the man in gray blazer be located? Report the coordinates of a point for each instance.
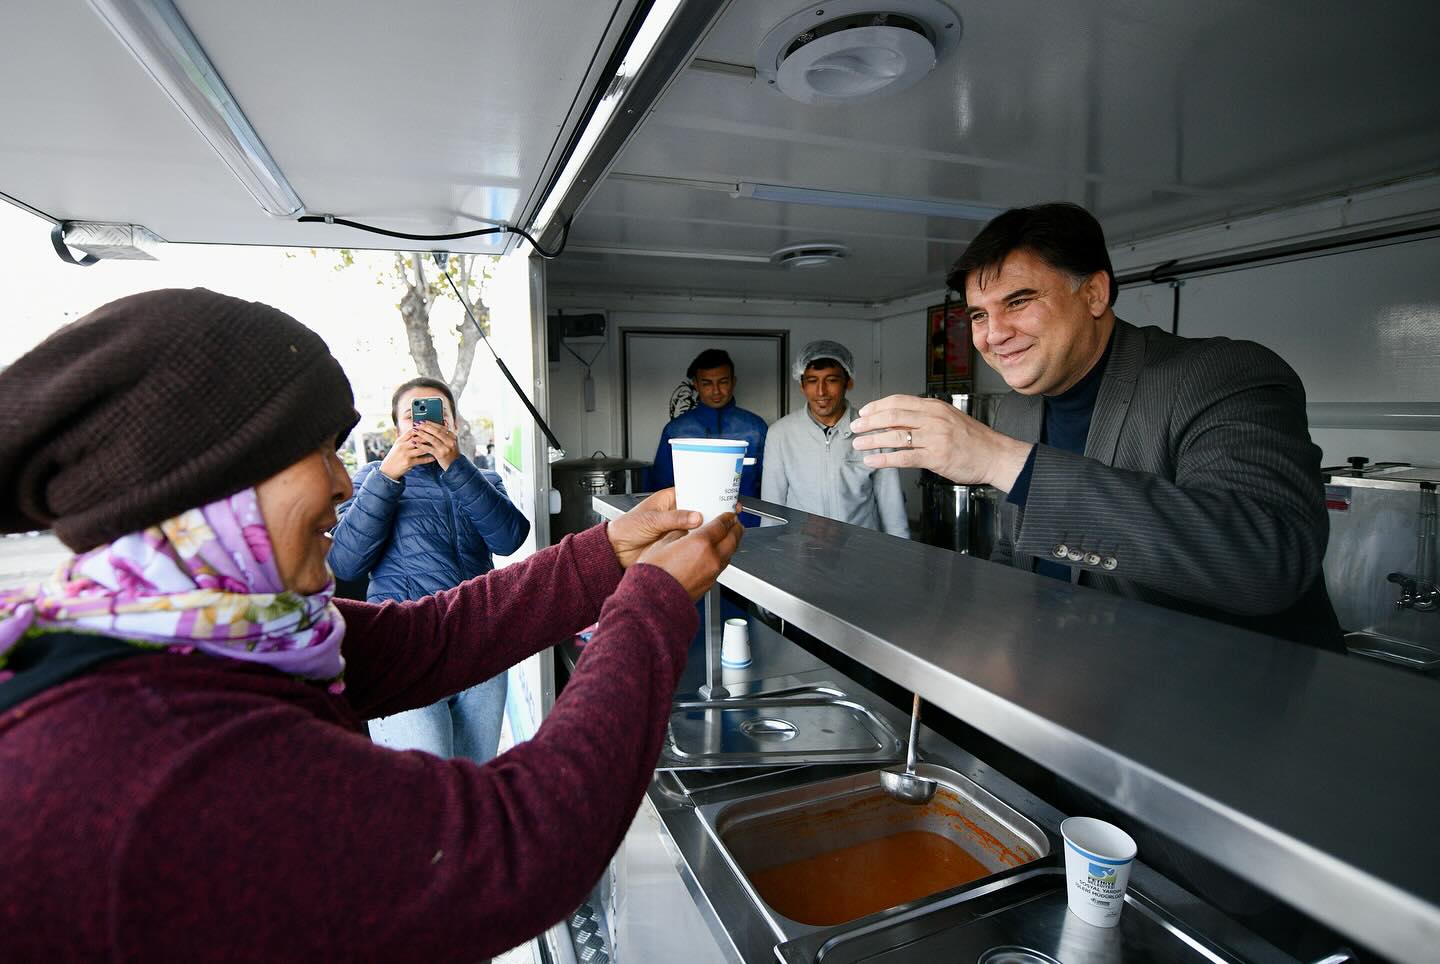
(1175, 470)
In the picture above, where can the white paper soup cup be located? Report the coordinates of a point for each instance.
(1098, 856)
(707, 474)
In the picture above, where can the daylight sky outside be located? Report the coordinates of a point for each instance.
(355, 315)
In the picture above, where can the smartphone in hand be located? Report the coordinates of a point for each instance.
(427, 410)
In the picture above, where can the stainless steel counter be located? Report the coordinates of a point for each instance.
(739, 928)
(1308, 774)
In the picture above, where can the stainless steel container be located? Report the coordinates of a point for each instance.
(1383, 558)
(965, 518)
(978, 405)
(1024, 923)
(787, 727)
(576, 480)
(768, 830)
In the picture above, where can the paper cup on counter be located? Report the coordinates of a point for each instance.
(707, 474)
(1098, 856)
(735, 644)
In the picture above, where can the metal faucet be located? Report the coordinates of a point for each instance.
(1414, 594)
(1420, 592)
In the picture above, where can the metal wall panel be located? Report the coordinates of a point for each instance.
(1360, 326)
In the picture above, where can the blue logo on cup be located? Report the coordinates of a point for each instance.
(1102, 873)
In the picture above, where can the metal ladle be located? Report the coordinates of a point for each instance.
(909, 787)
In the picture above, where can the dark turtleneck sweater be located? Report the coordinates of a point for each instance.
(1066, 426)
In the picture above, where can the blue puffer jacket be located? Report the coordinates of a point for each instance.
(730, 421)
(430, 531)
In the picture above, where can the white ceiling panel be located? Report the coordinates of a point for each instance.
(426, 117)
(439, 115)
(1155, 115)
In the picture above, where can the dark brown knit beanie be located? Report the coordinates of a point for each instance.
(158, 403)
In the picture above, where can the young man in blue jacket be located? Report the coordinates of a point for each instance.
(717, 416)
(422, 520)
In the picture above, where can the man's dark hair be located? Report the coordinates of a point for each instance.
(820, 364)
(421, 382)
(710, 358)
(1065, 236)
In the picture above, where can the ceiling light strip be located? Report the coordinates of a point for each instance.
(667, 253)
(160, 39)
(961, 210)
(696, 184)
(723, 69)
(868, 202)
(649, 34)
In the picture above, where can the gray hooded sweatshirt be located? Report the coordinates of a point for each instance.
(816, 470)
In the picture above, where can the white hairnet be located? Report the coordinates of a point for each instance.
(823, 349)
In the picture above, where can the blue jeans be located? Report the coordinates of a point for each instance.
(464, 725)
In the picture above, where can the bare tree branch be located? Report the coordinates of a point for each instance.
(469, 340)
(420, 293)
(415, 313)
(464, 358)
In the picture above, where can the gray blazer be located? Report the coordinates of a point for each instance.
(1199, 488)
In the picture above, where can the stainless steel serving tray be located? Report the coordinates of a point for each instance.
(766, 830)
(1024, 923)
(787, 727)
(1401, 652)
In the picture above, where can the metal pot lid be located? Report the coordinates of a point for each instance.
(598, 462)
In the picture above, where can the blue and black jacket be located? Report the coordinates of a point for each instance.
(730, 421)
(430, 531)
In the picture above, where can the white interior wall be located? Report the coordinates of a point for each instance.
(1357, 326)
(585, 432)
(581, 432)
(889, 357)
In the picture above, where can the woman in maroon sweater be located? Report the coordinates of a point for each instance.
(183, 767)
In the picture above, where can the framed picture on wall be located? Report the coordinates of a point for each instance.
(654, 388)
(948, 364)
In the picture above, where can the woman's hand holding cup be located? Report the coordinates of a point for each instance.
(696, 558)
(638, 529)
(657, 533)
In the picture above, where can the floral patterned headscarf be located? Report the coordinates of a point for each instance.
(204, 580)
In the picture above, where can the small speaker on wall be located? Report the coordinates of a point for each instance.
(587, 326)
(552, 339)
(581, 328)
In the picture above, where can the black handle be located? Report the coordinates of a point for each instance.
(534, 413)
(57, 238)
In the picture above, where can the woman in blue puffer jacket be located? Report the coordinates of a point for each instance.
(422, 520)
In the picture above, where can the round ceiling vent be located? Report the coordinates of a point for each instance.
(812, 254)
(853, 50)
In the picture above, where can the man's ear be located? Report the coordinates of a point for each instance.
(849, 384)
(1097, 293)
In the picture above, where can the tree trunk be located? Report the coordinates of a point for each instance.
(415, 307)
(465, 357)
(469, 341)
(415, 313)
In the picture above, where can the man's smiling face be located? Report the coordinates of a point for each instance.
(1037, 326)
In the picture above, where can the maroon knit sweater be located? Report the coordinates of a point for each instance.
(173, 808)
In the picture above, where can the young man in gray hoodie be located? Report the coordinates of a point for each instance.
(809, 462)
